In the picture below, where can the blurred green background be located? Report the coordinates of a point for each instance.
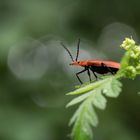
(34, 69)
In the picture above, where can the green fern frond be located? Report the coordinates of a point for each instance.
(94, 95)
(85, 116)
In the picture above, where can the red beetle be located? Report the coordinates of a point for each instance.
(96, 66)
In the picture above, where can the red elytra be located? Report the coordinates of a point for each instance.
(96, 66)
(96, 63)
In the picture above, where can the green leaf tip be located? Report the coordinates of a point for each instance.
(88, 87)
(92, 96)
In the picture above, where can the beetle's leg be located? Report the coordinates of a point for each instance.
(95, 76)
(88, 72)
(79, 73)
(93, 73)
(108, 68)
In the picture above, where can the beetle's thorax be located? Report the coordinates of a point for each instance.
(82, 63)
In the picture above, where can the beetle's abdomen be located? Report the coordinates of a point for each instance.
(103, 70)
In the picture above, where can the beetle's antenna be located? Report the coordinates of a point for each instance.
(67, 51)
(77, 50)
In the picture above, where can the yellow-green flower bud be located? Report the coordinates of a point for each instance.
(130, 72)
(128, 43)
(138, 68)
(133, 55)
(138, 48)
